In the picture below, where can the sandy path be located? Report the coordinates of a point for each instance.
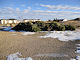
(32, 46)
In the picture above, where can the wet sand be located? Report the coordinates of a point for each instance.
(36, 47)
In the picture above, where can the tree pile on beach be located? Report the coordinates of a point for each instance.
(42, 26)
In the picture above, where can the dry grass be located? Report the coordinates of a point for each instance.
(74, 23)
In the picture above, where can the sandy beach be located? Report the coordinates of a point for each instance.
(36, 47)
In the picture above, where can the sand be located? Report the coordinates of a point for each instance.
(36, 47)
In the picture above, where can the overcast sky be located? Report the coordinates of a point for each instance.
(41, 9)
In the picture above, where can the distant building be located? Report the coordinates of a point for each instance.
(33, 20)
(9, 21)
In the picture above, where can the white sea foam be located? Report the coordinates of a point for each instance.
(63, 35)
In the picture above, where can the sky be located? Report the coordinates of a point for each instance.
(39, 9)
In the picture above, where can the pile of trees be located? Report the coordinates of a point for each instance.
(42, 26)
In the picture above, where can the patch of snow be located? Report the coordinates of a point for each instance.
(78, 58)
(78, 51)
(28, 33)
(15, 57)
(63, 35)
(72, 59)
(29, 58)
(78, 44)
(78, 48)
